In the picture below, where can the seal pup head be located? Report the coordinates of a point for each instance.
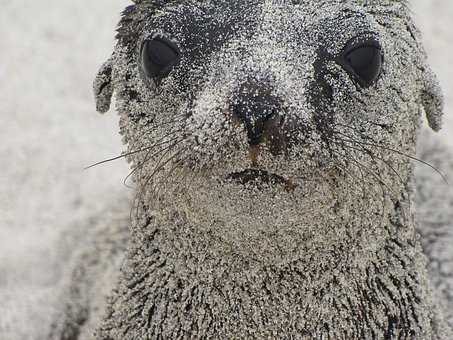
(245, 115)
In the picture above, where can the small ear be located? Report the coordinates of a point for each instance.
(103, 87)
(432, 100)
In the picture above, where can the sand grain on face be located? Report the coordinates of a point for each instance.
(45, 143)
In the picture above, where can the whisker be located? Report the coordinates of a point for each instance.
(159, 165)
(379, 180)
(354, 177)
(373, 156)
(350, 140)
(116, 158)
(381, 125)
(148, 157)
(133, 152)
(164, 180)
(155, 187)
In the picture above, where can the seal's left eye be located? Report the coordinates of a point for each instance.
(159, 55)
(364, 61)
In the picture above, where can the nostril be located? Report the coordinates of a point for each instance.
(254, 112)
(254, 120)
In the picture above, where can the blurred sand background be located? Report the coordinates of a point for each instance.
(49, 131)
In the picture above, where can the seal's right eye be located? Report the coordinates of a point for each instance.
(158, 57)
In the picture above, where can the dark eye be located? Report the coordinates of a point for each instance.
(159, 56)
(364, 61)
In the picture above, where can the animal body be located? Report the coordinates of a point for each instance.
(272, 147)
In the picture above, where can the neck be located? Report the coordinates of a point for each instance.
(327, 220)
(282, 263)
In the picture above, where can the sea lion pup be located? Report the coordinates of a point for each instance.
(271, 144)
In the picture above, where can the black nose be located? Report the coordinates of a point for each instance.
(254, 106)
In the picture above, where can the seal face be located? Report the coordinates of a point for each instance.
(268, 109)
(284, 88)
(270, 143)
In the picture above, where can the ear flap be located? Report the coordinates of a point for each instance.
(103, 87)
(432, 100)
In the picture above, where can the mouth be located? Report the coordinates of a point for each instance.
(258, 177)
